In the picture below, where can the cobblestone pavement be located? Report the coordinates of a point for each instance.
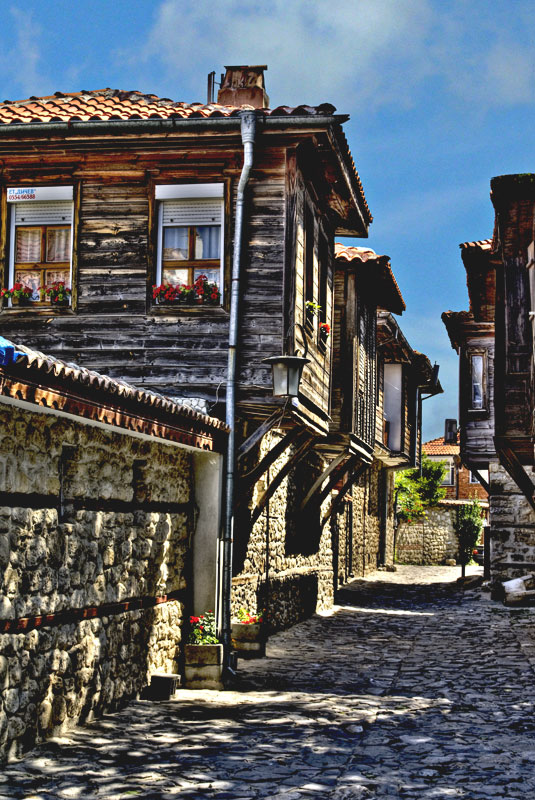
(406, 691)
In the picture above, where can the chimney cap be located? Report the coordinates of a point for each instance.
(244, 85)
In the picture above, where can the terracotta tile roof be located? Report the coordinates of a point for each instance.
(107, 105)
(482, 244)
(436, 447)
(118, 399)
(114, 104)
(365, 254)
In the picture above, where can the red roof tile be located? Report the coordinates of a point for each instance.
(365, 254)
(436, 447)
(106, 104)
(482, 244)
(113, 104)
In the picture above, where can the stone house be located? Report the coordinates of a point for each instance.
(109, 527)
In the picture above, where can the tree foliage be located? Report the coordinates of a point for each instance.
(468, 528)
(418, 492)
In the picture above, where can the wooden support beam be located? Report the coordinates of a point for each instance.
(336, 466)
(302, 448)
(260, 432)
(483, 482)
(353, 478)
(509, 460)
(245, 482)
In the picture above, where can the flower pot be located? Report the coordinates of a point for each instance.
(20, 301)
(203, 666)
(61, 303)
(248, 639)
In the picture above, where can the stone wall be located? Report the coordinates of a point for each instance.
(431, 541)
(512, 526)
(364, 534)
(284, 563)
(92, 589)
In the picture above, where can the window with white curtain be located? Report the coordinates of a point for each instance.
(190, 234)
(41, 244)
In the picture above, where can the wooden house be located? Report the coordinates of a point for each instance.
(513, 197)
(373, 428)
(472, 336)
(479, 337)
(198, 237)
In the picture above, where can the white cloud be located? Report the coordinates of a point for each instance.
(22, 60)
(353, 53)
(337, 52)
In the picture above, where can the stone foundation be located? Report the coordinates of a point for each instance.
(512, 521)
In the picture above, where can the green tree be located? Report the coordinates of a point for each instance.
(468, 528)
(417, 492)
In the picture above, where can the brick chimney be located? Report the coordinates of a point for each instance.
(243, 86)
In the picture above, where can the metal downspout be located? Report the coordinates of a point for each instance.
(248, 130)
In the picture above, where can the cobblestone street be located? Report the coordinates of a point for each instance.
(408, 690)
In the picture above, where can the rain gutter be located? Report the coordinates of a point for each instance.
(79, 127)
(248, 132)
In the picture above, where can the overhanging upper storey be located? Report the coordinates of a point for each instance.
(374, 275)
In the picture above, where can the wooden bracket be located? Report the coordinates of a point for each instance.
(510, 461)
(353, 478)
(304, 442)
(260, 432)
(245, 482)
(335, 468)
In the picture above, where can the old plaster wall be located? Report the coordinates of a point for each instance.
(85, 562)
(284, 563)
(365, 525)
(431, 541)
(512, 521)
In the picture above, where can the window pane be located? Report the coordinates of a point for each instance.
(28, 245)
(212, 275)
(175, 276)
(207, 241)
(175, 244)
(30, 278)
(477, 381)
(57, 275)
(58, 244)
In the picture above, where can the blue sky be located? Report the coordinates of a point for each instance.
(441, 95)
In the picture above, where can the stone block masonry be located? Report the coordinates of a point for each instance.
(430, 541)
(95, 569)
(512, 550)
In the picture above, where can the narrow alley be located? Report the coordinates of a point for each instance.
(409, 690)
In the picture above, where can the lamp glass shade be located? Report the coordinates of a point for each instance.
(287, 372)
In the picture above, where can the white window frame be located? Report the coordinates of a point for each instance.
(27, 196)
(449, 477)
(187, 192)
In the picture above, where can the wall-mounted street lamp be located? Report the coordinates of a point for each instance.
(287, 371)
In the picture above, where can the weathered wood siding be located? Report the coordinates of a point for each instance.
(113, 326)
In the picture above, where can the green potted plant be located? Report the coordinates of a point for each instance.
(58, 294)
(203, 654)
(248, 634)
